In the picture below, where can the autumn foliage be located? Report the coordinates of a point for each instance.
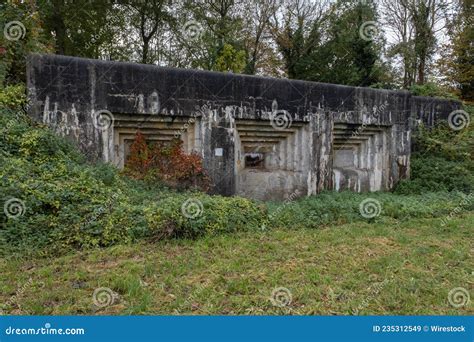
(166, 162)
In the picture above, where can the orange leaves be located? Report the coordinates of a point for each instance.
(166, 162)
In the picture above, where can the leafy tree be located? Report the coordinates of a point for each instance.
(22, 33)
(298, 30)
(354, 45)
(230, 60)
(260, 54)
(457, 62)
(149, 19)
(415, 27)
(207, 31)
(397, 19)
(424, 39)
(78, 28)
(328, 47)
(302, 39)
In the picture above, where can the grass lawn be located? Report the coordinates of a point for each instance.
(377, 268)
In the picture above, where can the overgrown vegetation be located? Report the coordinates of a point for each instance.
(442, 160)
(68, 204)
(166, 163)
(12, 96)
(432, 90)
(331, 208)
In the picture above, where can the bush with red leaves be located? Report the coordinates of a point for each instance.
(167, 163)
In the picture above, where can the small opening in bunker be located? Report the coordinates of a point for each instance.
(255, 160)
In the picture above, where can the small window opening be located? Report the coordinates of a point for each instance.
(255, 160)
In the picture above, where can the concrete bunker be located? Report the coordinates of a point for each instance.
(155, 129)
(259, 137)
(283, 164)
(361, 157)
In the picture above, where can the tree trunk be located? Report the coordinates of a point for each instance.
(421, 70)
(145, 50)
(59, 28)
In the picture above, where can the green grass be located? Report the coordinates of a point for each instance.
(375, 268)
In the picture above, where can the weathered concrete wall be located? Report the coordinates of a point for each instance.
(431, 110)
(300, 127)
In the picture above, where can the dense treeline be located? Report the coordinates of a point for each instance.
(386, 43)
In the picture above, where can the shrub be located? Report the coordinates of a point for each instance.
(430, 174)
(331, 208)
(432, 90)
(441, 141)
(68, 204)
(442, 160)
(13, 97)
(195, 214)
(166, 163)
